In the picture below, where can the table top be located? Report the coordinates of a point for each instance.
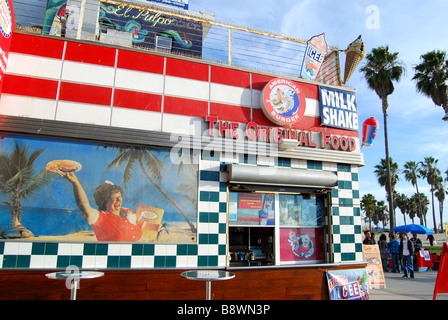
(208, 275)
(75, 275)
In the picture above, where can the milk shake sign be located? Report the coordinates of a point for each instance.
(338, 109)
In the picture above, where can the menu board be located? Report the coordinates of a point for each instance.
(374, 266)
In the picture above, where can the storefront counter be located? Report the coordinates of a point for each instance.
(304, 282)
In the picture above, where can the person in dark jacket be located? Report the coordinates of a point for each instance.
(407, 253)
(368, 239)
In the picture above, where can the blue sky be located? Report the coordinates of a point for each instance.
(409, 27)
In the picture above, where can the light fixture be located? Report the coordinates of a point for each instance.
(286, 144)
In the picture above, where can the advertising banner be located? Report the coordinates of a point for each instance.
(301, 244)
(348, 284)
(61, 190)
(338, 109)
(147, 27)
(374, 266)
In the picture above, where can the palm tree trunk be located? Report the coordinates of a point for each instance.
(420, 214)
(389, 183)
(16, 209)
(433, 211)
(174, 203)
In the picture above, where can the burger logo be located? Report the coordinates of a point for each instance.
(283, 102)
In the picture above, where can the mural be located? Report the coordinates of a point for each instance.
(146, 25)
(79, 191)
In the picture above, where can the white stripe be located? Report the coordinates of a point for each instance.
(225, 94)
(83, 113)
(33, 66)
(139, 81)
(29, 107)
(136, 119)
(186, 88)
(88, 73)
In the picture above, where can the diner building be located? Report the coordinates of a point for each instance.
(222, 147)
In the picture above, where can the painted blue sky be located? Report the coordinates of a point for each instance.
(409, 27)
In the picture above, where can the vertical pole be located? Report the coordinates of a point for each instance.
(230, 46)
(75, 285)
(81, 19)
(208, 290)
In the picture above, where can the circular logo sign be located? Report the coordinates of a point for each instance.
(5, 18)
(283, 102)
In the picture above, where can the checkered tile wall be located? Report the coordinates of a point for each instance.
(210, 251)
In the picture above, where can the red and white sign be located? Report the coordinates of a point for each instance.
(7, 25)
(283, 102)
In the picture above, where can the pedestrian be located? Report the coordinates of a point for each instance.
(382, 243)
(407, 253)
(417, 247)
(394, 250)
(368, 238)
(430, 237)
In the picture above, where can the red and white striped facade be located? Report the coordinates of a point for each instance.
(55, 79)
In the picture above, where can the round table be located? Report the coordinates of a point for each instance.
(72, 279)
(208, 276)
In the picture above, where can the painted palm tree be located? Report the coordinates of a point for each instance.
(151, 167)
(411, 174)
(18, 182)
(431, 77)
(382, 68)
(368, 205)
(431, 173)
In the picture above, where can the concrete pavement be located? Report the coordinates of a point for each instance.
(399, 288)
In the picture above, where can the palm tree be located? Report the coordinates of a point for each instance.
(381, 211)
(388, 177)
(18, 182)
(431, 173)
(411, 174)
(150, 165)
(440, 195)
(368, 205)
(431, 76)
(381, 69)
(402, 202)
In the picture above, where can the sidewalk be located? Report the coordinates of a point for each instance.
(399, 288)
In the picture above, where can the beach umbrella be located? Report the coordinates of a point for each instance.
(413, 228)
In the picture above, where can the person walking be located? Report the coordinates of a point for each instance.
(407, 253)
(382, 244)
(394, 250)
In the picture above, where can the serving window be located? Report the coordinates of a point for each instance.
(277, 228)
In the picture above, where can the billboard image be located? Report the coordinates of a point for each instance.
(80, 191)
(148, 27)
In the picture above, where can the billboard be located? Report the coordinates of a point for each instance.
(61, 190)
(147, 27)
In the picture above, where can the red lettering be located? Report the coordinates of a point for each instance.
(352, 143)
(224, 129)
(344, 144)
(335, 142)
(325, 139)
(234, 130)
(212, 121)
(263, 137)
(310, 139)
(252, 126)
(303, 140)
